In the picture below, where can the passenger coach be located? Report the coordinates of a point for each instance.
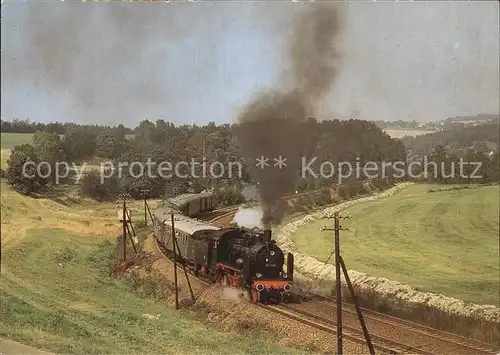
(193, 204)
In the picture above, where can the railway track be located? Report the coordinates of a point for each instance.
(382, 344)
(389, 334)
(400, 335)
(458, 343)
(221, 213)
(224, 214)
(315, 324)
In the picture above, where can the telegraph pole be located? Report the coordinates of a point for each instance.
(174, 243)
(338, 288)
(144, 194)
(124, 226)
(185, 273)
(122, 200)
(339, 264)
(358, 308)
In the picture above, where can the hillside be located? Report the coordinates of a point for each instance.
(444, 242)
(57, 294)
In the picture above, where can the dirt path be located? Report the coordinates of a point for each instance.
(9, 347)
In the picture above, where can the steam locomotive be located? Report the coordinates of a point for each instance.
(236, 258)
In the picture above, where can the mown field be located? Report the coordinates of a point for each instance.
(57, 294)
(10, 140)
(400, 133)
(443, 242)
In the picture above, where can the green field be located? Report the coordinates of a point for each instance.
(10, 140)
(400, 133)
(78, 308)
(57, 295)
(444, 242)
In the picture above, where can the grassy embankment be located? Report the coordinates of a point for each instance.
(444, 242)
(57, 295)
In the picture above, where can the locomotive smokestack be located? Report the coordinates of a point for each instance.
(267, 235)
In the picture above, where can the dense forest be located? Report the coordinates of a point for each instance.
(354, 141)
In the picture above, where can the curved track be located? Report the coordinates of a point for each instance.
(388, 334)
(380, 343)
(426, 335)
(399, 335)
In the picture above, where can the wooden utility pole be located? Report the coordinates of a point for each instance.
(338, 285)
(144, 194)
(174, 243)
(122, 202)
(338, 289)
(185, 272)
(148, 211)
(132, 241)
(339, 264)
(358, 308)
(124, 225)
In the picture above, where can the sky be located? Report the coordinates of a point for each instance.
(111, 63)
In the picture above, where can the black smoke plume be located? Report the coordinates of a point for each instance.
(273, 124)
(103, 59)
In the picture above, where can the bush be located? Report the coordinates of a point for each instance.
(24, 181)
(344, 191)
(367, 188)
(92, 187)
(228, 196)
(140, 224)
(321, 198)
(451, 188)
(380, 184)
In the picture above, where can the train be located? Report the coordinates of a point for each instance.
(193, 204)
(236, 258)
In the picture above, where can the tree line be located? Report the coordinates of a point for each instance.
(26, 126)
(469, 167)
(482, 138)
(354, 141)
